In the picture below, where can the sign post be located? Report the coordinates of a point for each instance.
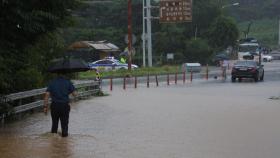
(173, 11)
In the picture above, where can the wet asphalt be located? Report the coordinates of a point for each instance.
(202, 119)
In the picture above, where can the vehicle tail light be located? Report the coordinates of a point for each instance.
(252, 69)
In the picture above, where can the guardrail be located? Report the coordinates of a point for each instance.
(29, 100)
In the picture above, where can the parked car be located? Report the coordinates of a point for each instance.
(275, 54)
(266, 58)
(108, 64)
(247, 69)
(255, 56)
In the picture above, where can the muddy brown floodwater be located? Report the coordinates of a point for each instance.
(213, 120)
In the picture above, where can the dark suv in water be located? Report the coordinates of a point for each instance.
(247, 69)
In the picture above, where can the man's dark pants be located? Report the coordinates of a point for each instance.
(60, 111)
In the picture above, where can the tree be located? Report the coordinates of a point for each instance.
(223, 32)
(22, 24)
(197, 50)
(204, 13)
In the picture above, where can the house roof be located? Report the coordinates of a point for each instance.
(97, 45)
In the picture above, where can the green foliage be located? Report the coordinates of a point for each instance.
(144, 71)
(136, 72)
(223, 32)
(197, 50)
(32, 34)
(111, 34)
(22, 22)
(204, 13)
(101, 94)
(26, 79)
(47, 47)
(263, 14)
(265, 30)
(4, 73)
(255, 9)
(26, 44)
(170, 39)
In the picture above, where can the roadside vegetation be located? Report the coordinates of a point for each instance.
(33, 33)
(265, 30)
(137, 72)
(162, 70)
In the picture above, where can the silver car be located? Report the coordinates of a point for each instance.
(109, 64)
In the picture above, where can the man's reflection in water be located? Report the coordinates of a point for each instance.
(60, 147)
(37, 147)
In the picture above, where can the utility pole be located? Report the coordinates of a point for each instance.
(144, 34)
(149, 34)
(129, 26)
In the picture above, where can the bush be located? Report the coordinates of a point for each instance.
(197, 50)
(27, 79)
(100, 94)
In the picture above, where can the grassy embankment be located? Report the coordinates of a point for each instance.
(138, 72)
(265, 30)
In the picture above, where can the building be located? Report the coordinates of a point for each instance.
(92, 50)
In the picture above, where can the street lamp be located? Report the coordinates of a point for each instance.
(229, 5)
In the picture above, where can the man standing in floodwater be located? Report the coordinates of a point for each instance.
(59, 90)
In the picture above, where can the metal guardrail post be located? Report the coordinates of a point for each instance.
(184, 77)
(135, 82)
(111, 84)
(3, 118)
(124, 83)
(156, 80)
(168, 79)
(207, 71)
(148, 81)
(191, 75)
(176, 78)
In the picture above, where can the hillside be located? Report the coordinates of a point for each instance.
(254, 9)
(263, 15)
(265, 30)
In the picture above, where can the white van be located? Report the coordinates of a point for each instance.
(247, 49)
(194, 67)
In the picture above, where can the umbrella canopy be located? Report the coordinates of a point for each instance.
(124, 53)
(222, 57)
(68, 65)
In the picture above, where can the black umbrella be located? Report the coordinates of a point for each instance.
(68, 65)
(222, 57)
(124, 53)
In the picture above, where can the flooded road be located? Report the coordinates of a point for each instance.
(205, 120)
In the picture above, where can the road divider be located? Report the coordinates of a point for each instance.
(169, 78)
